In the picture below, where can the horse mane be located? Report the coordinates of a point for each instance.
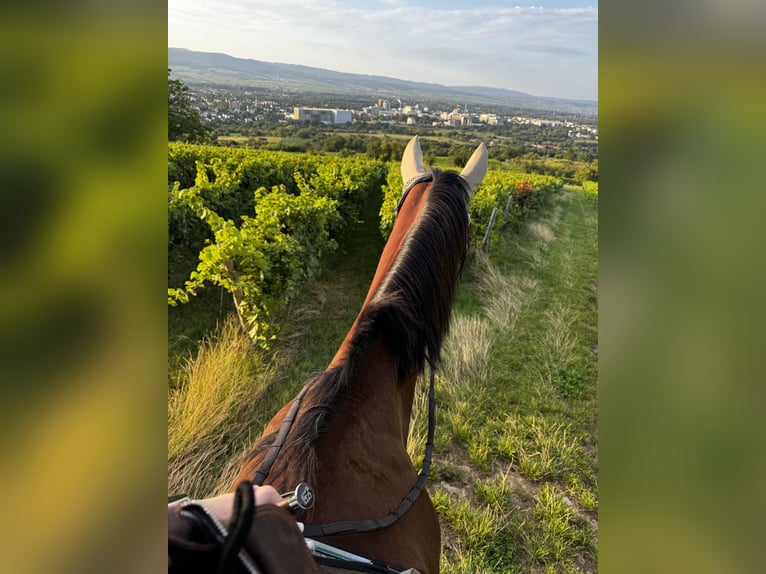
(410, 310)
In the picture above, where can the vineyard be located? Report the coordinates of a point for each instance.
(590, 187)
(260, 222)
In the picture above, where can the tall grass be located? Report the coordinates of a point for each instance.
(208, 413)
(418, 432)
(504, 295)
(466, 354)
(558, 343)
(463, 372)
(461, 380)
(540, 231)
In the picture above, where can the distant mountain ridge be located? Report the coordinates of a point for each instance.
(224, 70)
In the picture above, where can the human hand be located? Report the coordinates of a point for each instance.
(222, 505)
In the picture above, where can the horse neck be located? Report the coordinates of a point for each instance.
(378, 404)
(404, 221)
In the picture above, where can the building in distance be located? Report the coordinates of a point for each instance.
(489, 119)
(324, 115)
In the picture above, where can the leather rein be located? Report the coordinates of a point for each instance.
(355, 526)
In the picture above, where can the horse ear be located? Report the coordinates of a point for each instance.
(476, 168)
(412, 161)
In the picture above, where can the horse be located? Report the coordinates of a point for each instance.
(346, 432)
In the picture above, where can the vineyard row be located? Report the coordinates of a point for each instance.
(261, 221)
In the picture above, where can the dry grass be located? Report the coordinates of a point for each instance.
(418, 432)
(466, 352)
(540, 231)
(462, 374)
(557, 344)
(233, 465)
(207, 418)
(505, 296)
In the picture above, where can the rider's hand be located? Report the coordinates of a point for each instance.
(222, 505)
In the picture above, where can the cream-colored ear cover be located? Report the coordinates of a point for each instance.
(476, 168)
(412, 161)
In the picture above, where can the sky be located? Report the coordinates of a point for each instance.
(541, 47)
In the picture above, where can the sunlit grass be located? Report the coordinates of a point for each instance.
(483, 535)
(557, 537)
(525, 428)
(206, 413)
(496, 492)
(505, 295)
(584, 496)
(466, 354)
(546, 449)
(540, 231)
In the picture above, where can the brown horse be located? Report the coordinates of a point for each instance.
(349, 431)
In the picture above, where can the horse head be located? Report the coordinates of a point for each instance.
(412, 165)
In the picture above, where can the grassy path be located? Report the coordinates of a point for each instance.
(515, 483)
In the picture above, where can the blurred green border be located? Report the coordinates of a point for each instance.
(83, 307)
(681, 280)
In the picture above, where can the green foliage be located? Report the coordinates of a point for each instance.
(564, 168)
(262, 261)
(258, 244)
(234, 174)
(184, 122)
(527, 192)
(495, 515)
(557, 537)
(590, 187)
(587, 172)
(392, 192)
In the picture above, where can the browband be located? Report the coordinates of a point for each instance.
(410, 184)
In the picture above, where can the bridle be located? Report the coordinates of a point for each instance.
(356, 526)
(412, 182)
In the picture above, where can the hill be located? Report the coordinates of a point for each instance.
(200, 68)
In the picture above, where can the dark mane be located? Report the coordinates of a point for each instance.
(411, 310)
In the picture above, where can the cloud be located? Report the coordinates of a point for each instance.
(542, 51)
(563, 51)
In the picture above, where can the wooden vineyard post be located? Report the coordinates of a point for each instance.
(507, 207)
(485, 242)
